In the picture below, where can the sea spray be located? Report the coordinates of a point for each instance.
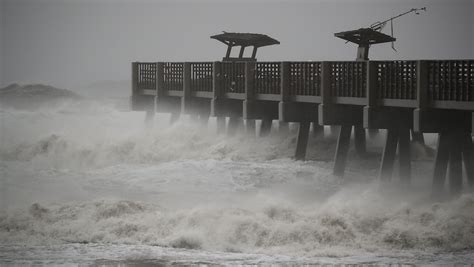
(308, 230)
(90, 174)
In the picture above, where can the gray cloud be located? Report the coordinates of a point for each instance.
(72, 43)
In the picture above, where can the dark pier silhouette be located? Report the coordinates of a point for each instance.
(406, 98)
(434, 96)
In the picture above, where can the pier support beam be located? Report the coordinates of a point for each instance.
(149, 116)
(334, 131)
(388, 156)
(250, 127)
(302, 141)
(283, 127)
(265, 127)
(174, 117)
(318, 130)
(301, 113)
(220, 124)
(234, 124)
(441, 164)
(342, 148)
(359, 140)
(417, 137)
(455, 163)
(373, 132)
(396, 137)
(204, 119)
(404, 156)
(255, 109)
(347, 117)
(468, 158)
(453, 148)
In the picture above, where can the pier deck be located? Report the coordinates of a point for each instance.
(423, 96)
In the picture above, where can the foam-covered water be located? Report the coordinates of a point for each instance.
(86, 183)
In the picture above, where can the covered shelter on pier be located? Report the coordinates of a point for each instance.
(232, 39)
(364, 37)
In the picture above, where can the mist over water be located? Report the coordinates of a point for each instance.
(85, 175)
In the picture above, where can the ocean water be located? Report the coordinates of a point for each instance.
(89, 184)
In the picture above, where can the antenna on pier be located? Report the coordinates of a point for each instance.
(379, 25)
(365, 37)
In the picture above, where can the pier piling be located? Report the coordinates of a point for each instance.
(404, 97)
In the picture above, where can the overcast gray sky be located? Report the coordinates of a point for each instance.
(69, 43)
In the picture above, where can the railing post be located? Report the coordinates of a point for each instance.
(284, 105)
(159, 80)
(216, 94)
(134, 78)
(325, 82)
(249, 80)
(325, 85)
(186, 88)
(422, 98)
(371, 83)
(186, 79)
(285, 81)
(133, 98)
(422, 84)
(216, 79)
(249, 103)
(371, 94)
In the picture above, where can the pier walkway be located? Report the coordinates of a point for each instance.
(415, 96)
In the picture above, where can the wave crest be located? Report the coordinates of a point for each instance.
(428, 227)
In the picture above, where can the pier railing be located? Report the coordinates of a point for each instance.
(201, 76)
(305, 78)
(267, 78)
(146, 76)
(233, 77)
(173, 76)
(451, 80)
(444, 84)
(348, 79)
(396, 79)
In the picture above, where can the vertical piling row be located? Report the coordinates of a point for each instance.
(404, 155)
(388, 156)
(134, 84)
(467, 155)
(302, 141)
(217, 93)
(150, 111)
(359, 140)
(249, 101)
(455, 162)
(454, 144)
(441, 163)
(342, 149)
(186, 99)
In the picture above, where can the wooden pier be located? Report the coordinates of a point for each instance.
(403, 97)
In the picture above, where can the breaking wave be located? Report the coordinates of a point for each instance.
(98, 175)
(84, 137)
(332, 229)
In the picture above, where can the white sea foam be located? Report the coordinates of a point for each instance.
(91, 174)
(333, 228)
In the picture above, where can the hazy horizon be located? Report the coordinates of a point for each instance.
(71, 44)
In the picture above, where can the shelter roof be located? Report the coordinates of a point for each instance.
(245, 39)
(365, 36)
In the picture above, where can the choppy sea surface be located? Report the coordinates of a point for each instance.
(88, 184)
